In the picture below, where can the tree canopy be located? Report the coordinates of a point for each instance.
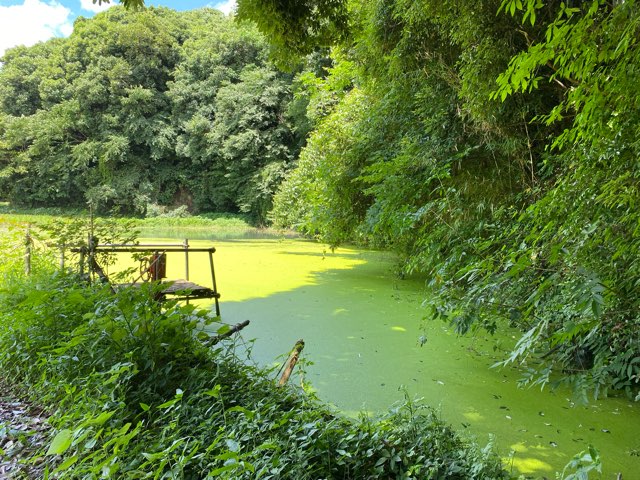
(493, 145)
(150, 106)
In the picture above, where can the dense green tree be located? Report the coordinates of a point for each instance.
(22, 76)
(230, 115)
(497, 154)
(582, 246)
(297, 27)
(147, 107)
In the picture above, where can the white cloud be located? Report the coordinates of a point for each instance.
(32, 22)
(226, 6)
(94, 7)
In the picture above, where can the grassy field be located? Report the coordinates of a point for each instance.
(215, 224)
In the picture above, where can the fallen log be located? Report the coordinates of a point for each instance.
(291, 362)
(235, 329)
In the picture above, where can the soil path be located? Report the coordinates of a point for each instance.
(23, 431)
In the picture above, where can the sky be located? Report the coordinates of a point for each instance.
(26, 22)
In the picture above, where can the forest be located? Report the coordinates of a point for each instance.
(154, 108)
(491, 145)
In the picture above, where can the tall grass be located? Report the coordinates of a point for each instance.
(215, 225)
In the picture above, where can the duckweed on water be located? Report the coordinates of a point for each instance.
(134, 393)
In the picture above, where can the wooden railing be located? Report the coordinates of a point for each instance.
(180, 289)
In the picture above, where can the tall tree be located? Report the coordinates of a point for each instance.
(497, 154)
(126, 112)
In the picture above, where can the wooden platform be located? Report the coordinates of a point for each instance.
(179, 289)
(184, 288)
(152, 258)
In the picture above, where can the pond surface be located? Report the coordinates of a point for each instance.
(362, 326)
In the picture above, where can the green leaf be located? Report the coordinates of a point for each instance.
(226, 468)
(66, 464)
(101, 419)
(169, 403)
(213, 392)
(60, 443)
(238, 408)
(152, 457)
(227, 455)
(223, 329)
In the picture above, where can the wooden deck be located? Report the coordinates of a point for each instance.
(179, 289)
(185, 288)
(152, 259)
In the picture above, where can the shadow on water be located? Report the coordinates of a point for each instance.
(363, 344)
(362, 327)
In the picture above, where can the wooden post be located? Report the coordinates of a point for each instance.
(91, 245)
(291, 362)
(27, 254)
(186, 259)
(94, 267)
(81, 261)
(213, 281)
(62, 250)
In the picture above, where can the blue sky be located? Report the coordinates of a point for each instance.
(26, 22)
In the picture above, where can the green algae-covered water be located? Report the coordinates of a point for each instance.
(362, 328)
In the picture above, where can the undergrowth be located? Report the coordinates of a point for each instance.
(134, 391)
(179, 217)
(48, 222)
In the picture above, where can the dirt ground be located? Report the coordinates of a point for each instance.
(23, 431)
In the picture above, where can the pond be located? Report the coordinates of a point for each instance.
(362, 327)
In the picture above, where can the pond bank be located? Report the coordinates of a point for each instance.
(362, 328)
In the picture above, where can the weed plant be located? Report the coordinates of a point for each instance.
(134, 392)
